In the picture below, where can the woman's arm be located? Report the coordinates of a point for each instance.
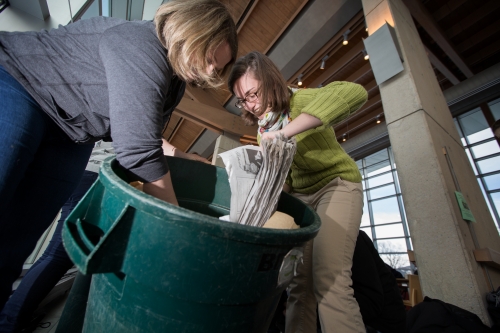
(170, 150)
(162, 189)
(300, 124)
(331, 103)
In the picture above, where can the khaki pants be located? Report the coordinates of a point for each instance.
(324, 279)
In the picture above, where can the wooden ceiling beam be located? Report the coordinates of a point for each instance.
(354, 77)
(371, 86)
(343, 61)
(214, 119)
(477, 38)
(358, 125)
(247, 14)
(473, 18)
(484, 53)
(441, 67)
(424, 18)
(370, 104)
(447, 8)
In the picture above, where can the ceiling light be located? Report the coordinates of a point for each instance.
(299, 80)
(378, 119)
(323, 62)
(366, 27)
(346, 37)
(367, 56)
(344, 137)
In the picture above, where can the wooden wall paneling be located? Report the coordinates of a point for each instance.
(171, 138)
(236, 8)
(183, 137)
(247, 15)
(291, 17)
(214, 119)
(174, 121)
(196, 137)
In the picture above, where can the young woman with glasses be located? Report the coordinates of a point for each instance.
(322, 175)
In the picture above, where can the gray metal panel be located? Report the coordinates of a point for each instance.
(317, 24)
(385, 58)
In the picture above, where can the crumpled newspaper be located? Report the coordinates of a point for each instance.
(256, 178)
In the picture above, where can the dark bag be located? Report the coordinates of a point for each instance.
(433, 316)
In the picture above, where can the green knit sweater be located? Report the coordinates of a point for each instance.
(320, 158)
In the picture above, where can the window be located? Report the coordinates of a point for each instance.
(484, 154)
(384, 219)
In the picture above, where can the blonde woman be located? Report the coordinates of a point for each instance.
(322, 175)
(102, 78)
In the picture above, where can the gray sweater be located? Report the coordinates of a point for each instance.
(101, 78)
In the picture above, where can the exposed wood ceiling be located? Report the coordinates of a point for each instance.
(460, 36)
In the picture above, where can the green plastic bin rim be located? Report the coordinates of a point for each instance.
(204, 223)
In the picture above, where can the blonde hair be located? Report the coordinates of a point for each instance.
(273, 90)
(191, 31)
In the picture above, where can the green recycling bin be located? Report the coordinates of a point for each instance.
(160, 268)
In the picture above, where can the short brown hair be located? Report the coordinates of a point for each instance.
(273, 90)
(191, 31)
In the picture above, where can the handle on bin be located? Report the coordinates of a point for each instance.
(107, 255)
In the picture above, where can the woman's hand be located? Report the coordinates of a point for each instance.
(270, 135)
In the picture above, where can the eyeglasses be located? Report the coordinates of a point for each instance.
(249, 99)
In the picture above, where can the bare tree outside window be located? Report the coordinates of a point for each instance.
(392, 256)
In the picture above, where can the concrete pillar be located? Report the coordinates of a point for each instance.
(420, 127)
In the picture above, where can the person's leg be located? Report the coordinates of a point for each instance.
(47, 271)
(39, 170)
(301, 305)
(340, 206)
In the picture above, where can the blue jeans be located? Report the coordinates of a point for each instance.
(46, 271)
(39, 169)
